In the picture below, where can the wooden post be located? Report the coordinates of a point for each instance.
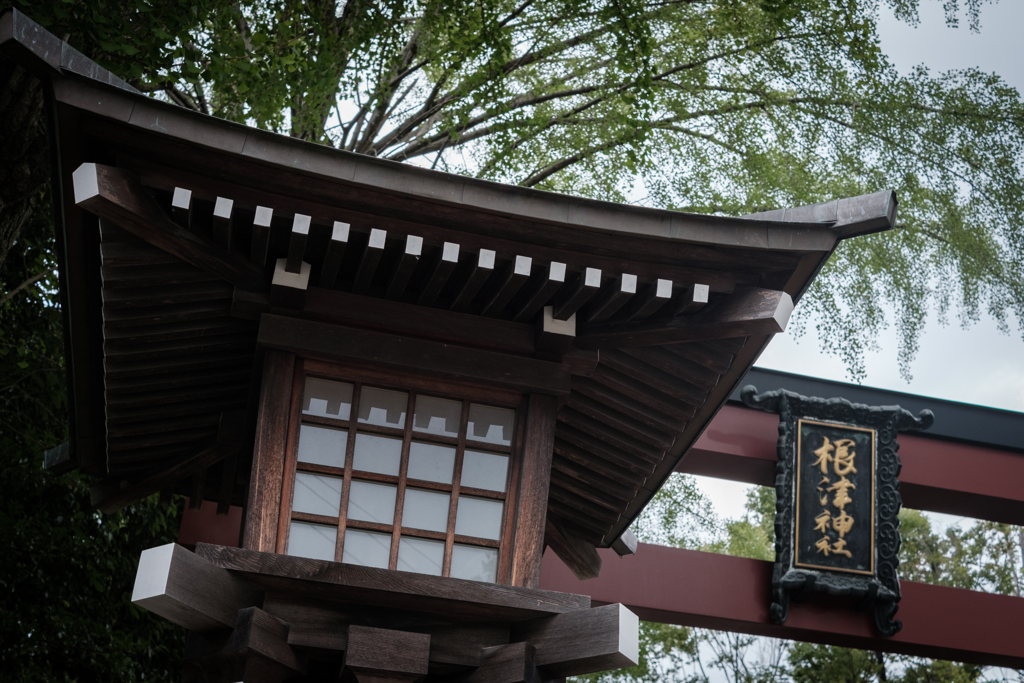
(533, 490)
(268, 454)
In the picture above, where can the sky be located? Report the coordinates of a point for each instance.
(978, 365)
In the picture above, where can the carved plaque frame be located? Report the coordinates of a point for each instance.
(879, 588)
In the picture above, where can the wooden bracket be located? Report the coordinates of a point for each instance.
(256, 651)
(513, 663)
(379, 655)
(578, 555)
(554, 337)
(288, 290)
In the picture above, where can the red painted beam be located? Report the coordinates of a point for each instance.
(938, 475)
(690, 588)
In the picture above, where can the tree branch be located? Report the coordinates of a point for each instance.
(32, 280)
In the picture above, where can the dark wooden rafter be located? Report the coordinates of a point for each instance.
(585, 287)
(691, 299)
(540, 296)
(447, 259)
(749, 311)
(407, 263)
(478, 275)
(517, 272)
(612, 298)
(369, 260)
(335, 253)
(297, 240)
(115, 195)
(223, 217)
(181, 207)
(260, 236)
(650, 300)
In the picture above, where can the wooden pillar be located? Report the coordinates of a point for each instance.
(532, 500)
(269, 452)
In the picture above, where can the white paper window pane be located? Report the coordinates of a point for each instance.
(327, 398)
(420, 555)
(370, 502)
(431, 462)
(437, 416)
(383, 407)
(380, 454)
(316, 494)
(490, 424)
(474, 563)
(312, 540)
(479, 517)
(484, 470)
(368, 548)
(426, 510)
(322, 445)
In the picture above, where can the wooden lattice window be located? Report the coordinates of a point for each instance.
(409, 480)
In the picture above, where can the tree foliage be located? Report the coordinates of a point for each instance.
(67, 573)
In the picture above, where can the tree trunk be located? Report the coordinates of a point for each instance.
(24, 166)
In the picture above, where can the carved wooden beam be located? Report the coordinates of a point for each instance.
(113, 494)
(578, 555)
(190, 591)
(748, 311)
(116, 195)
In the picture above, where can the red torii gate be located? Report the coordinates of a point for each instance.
(942, 472)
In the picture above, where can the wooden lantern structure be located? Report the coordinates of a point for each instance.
(414, 382)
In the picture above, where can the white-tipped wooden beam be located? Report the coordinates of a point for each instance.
(368, 263)
(542, 292)
(748, 311)
(586, 287)
(116, 195)
(477, 277)
(442, 270)
(515, 276)
(406, 265)
(223, 209)
(260, 235)
(587, 641)
(181, 207)
(188, 590)
(335, 252)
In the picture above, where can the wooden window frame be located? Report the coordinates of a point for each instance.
(414, 385)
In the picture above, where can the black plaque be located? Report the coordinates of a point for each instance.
(838, 501)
